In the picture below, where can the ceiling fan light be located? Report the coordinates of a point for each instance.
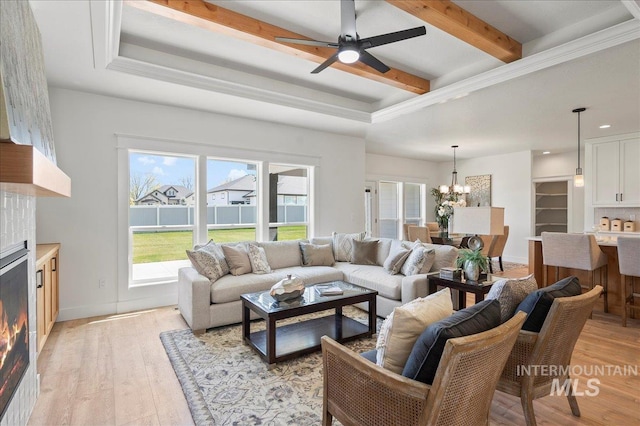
(348, 56)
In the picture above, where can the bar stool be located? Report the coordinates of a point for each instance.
(629, 265)
(576, 251)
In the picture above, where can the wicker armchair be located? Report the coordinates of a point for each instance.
(358, 392)
(553, 345)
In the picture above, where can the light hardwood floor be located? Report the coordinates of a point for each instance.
(113, 370)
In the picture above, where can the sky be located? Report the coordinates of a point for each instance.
(171, 170)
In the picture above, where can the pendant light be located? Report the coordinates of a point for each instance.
(454, 188)
(578, 179)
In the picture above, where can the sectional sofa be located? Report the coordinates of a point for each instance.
(205, 304)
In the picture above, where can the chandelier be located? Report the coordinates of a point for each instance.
(455, 187)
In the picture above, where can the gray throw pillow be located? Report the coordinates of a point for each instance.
(364, 252)
(206, 264)
(237, 258)
(396, 259)
(258, 260)
(510, 293)
(316, 254)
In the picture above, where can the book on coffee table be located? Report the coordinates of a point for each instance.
(328, 289)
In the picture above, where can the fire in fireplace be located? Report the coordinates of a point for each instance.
(14, 321)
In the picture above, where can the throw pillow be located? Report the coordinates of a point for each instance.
(343, 245)
(419, 261)
(316, 254)
(404, 325)
(215, 250)
(258, 260)
(364, 252)
(206, 264)
(396, 259)
(510, 293)
(537, 304)
(237, 258)
(423, 361)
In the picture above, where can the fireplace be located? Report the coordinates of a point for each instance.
(14, 321)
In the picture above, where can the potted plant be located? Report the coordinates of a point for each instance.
(472, 261)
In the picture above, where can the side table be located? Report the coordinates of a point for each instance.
(479, 288)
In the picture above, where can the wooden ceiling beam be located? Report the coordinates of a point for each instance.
(223, 21)
(456, 21)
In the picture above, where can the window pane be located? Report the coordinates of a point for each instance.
(161, 203)
(412, 203)
(288, 191)
(388, 209)
(231, 200)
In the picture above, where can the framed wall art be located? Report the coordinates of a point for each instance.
(480, 194)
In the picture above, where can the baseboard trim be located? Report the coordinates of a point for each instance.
(120, 307)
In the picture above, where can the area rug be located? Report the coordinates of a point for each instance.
(225, 382)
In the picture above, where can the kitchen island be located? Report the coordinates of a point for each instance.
(545, 275)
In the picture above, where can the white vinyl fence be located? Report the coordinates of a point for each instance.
(217, 216)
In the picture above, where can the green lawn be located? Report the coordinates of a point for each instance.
(161, 246)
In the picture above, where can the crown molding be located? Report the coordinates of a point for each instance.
(633, 7)
(106, 21)
(198, 81)
(610, 37)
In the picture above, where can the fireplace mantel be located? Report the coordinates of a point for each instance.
(24, 170)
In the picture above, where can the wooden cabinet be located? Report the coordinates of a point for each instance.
(47, 291)
(616, 173)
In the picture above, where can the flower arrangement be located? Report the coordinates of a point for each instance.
(444, 206)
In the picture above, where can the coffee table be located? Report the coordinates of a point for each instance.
(479, 288)
(279, 343)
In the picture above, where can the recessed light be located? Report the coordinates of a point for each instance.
(605, 126)
(546, 152)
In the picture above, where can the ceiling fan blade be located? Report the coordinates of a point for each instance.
(307, 42)
(368, 59)
(379, 40)
(348, 19)
(326, 63)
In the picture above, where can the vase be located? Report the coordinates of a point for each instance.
(471, 271)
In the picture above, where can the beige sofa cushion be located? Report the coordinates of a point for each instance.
(229, 288)
(372, 277)
(282, 254)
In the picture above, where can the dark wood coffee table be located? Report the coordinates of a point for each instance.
(288, 341)
(479, 288)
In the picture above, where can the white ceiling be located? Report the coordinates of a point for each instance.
(575, 53)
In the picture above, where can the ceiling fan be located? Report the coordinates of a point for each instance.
(351, 47)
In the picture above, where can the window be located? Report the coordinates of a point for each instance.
(228, 217)
(288, 189)
(389, 217)
(413, 203)
(159, 233)
(222, 200)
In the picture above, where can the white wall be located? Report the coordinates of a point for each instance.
(511, 189)
(563, 166)
(85, 127)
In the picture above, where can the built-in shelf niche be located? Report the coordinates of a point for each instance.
(551, 206)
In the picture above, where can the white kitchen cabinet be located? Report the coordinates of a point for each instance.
(616, 173)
